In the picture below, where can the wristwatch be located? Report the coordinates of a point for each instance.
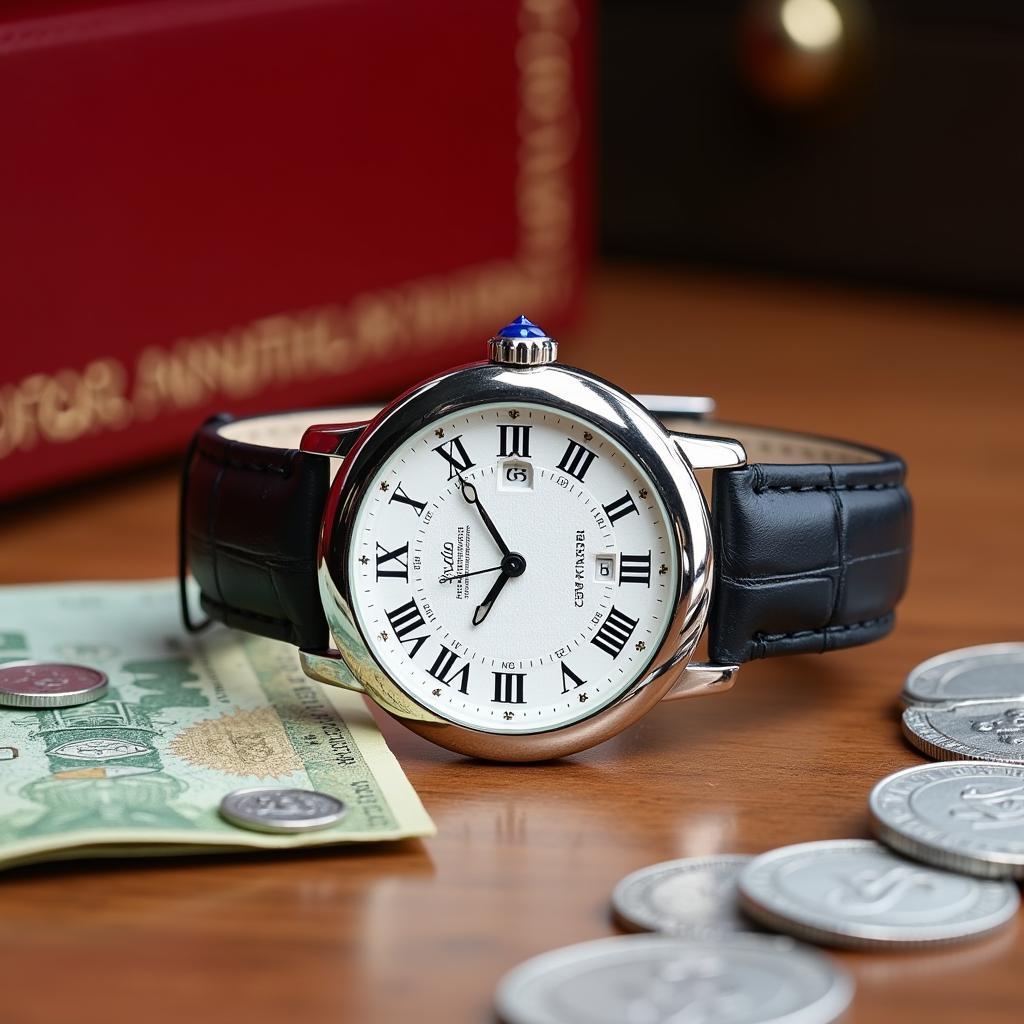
(516, 560)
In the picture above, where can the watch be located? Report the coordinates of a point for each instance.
(516, 559)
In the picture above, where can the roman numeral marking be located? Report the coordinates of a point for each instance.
(621, 507)
(576, 460)
(400, 558)
(508, 688)
(514, 439)
(403, 498)
(406, 619)
(455, 454)
(635, 569)
(567, 674)
(444, 669)
(614, 633)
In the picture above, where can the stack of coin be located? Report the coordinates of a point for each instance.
(966, 709)
(968, 704)
(952, 834)
(990, 671)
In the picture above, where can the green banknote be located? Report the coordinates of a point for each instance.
(185, 721)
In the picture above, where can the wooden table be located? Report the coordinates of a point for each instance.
(526, 857)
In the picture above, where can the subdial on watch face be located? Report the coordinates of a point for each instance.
(513, 568)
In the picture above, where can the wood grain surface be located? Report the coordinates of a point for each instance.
(526, 856)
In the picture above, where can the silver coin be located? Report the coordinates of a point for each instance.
(856, 893)
(990, 671)
(42, 684)
(692, 897)
(963, 815)
(981, 730)
(662, 979)
(265, 809)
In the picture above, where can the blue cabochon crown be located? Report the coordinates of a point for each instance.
(521, 328)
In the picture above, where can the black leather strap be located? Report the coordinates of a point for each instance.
(812, 545)
(809, 558)
(811, 539)
(250, 527)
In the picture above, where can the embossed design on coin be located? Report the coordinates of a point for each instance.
(692, 897)
(988, 672)
(992, 806)
(39, 684)
(1008, 727)
(661, 979)
(963, 815)
(856, 893)
(265, 809)
(980, 730)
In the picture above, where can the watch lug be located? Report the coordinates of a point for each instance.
(694, 407)
(698, 679)
(327, 667)
(335, 439)
(710, 452)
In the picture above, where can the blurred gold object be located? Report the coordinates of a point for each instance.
(802, 53)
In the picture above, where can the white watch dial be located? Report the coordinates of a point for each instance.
(513, 569)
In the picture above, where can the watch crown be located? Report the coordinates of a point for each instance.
(522, 343)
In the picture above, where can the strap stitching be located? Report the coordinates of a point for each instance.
(257, 467)
(803, 633)
(760, 488)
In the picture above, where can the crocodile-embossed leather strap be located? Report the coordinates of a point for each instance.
(812, 544)
(251, 509)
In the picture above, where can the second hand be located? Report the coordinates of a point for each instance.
(462, 576)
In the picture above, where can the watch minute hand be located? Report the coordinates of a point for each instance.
(469, 493)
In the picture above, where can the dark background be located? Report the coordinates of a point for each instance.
(891, 154)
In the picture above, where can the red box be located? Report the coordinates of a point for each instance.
(255, 204)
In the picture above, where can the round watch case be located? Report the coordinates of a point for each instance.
(630, 425)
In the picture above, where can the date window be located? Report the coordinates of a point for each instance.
(605, 569)
(515, 476)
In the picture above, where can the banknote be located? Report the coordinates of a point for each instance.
(185, 721)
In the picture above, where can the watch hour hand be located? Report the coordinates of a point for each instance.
(513, 564)
(484, 607)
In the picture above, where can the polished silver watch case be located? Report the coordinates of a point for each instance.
(669, 459)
